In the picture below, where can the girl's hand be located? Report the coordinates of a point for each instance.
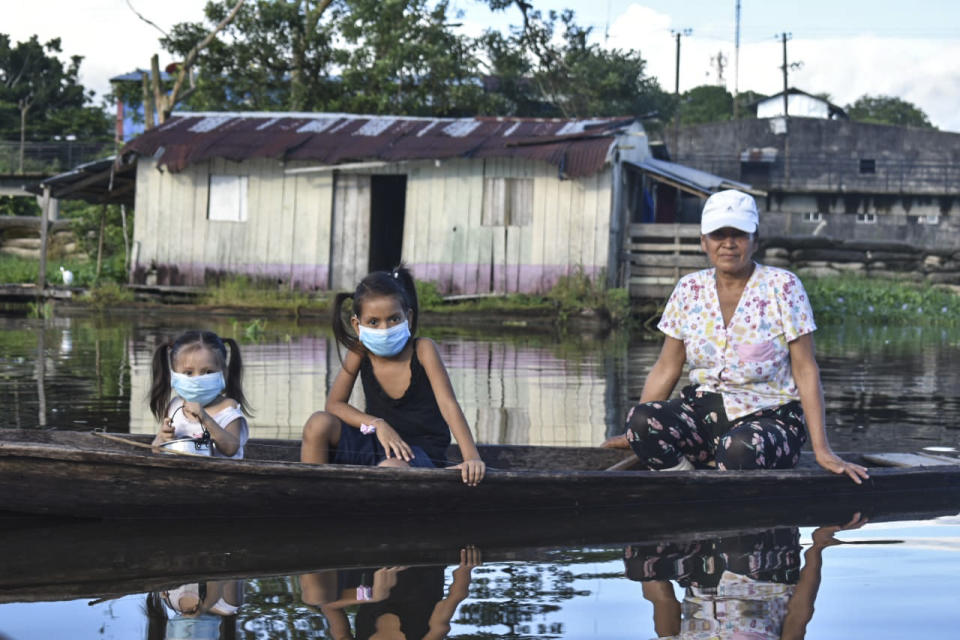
(470, 558)
(384, 580)
(393, 445)
(832, 462)
(472, 471)
(166, 433)
(194, 411)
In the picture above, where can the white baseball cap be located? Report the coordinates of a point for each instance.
(730, 208)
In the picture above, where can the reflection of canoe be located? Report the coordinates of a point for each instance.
(58, 560)
(81, 474)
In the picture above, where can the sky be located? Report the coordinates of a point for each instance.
(847, 48)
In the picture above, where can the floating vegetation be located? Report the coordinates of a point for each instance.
(882, 301)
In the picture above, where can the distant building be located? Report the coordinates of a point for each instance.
(476, 205)
(799, 104)
(130, 118)
(839, 178)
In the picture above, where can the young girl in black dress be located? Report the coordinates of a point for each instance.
(411, 407)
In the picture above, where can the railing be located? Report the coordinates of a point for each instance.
(50, 157)
(823, 172)
(658, 254)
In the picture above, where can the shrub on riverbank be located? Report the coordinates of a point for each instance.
(19, 270)
(242, 291)
(882, 301)
(573, 295)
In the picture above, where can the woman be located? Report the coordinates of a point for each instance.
(747, 586)
(746, 331)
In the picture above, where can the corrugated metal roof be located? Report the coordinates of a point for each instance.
(705, 183)
(104, 181)
(578, 147)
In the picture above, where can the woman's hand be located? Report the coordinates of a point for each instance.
(823, 536)
(393, 445)
(832, 462)
(616, 442)
(472, 471)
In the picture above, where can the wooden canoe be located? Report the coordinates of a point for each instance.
(65, 473)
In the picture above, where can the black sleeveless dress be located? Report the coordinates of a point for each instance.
(415, 415)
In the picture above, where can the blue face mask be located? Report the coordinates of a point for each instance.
(201, 389)
(386, 342)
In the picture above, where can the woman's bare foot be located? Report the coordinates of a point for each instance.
(616, 442)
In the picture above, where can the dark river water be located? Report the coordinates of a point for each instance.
(887, 389)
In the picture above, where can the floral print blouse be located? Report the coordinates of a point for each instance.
(747, 362)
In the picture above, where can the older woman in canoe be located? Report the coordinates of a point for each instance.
(745, 329)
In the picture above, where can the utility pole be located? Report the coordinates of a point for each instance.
(736, 63)
(786, 114)
(676, 91)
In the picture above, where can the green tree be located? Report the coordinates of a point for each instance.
(706, 103)
(888, 110)
(746, 103)
(402, 56)
(41, 96)
(576, 77)
(405, 57)
(271, 56)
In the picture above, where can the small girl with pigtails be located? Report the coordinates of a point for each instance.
(411, 407)
(208, 384)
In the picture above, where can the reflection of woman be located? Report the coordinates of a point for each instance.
(200, 610)
(394, 602)
(746, 332)
(748, 587)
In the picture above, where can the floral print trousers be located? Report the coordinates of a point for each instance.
(695, 426)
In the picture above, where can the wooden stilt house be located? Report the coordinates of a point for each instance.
(316, 200)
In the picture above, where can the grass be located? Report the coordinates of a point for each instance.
(247, 292)
(18, 270)
(572, 295)
(836, 299)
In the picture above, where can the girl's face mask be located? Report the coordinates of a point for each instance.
(385, 342)
(200, 389)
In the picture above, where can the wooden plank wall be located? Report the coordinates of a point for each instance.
(286, 235)
(350, 248)
(446, 240)
(659, 254)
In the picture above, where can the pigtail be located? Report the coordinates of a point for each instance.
(156, 617)
(409, 286)
(160, 387)
(234, 388)
(340, 332)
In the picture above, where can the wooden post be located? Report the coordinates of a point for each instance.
(126, 240)
(44, 217)
(147, 101)
(41, 371)
(103, 223)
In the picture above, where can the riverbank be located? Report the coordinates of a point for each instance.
(574, 304)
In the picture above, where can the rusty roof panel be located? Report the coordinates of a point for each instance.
(577, 147)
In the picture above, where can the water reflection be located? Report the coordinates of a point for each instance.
(887, 580)
(887, 388)
(206, 609)
(389, 602)
(749, 586)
